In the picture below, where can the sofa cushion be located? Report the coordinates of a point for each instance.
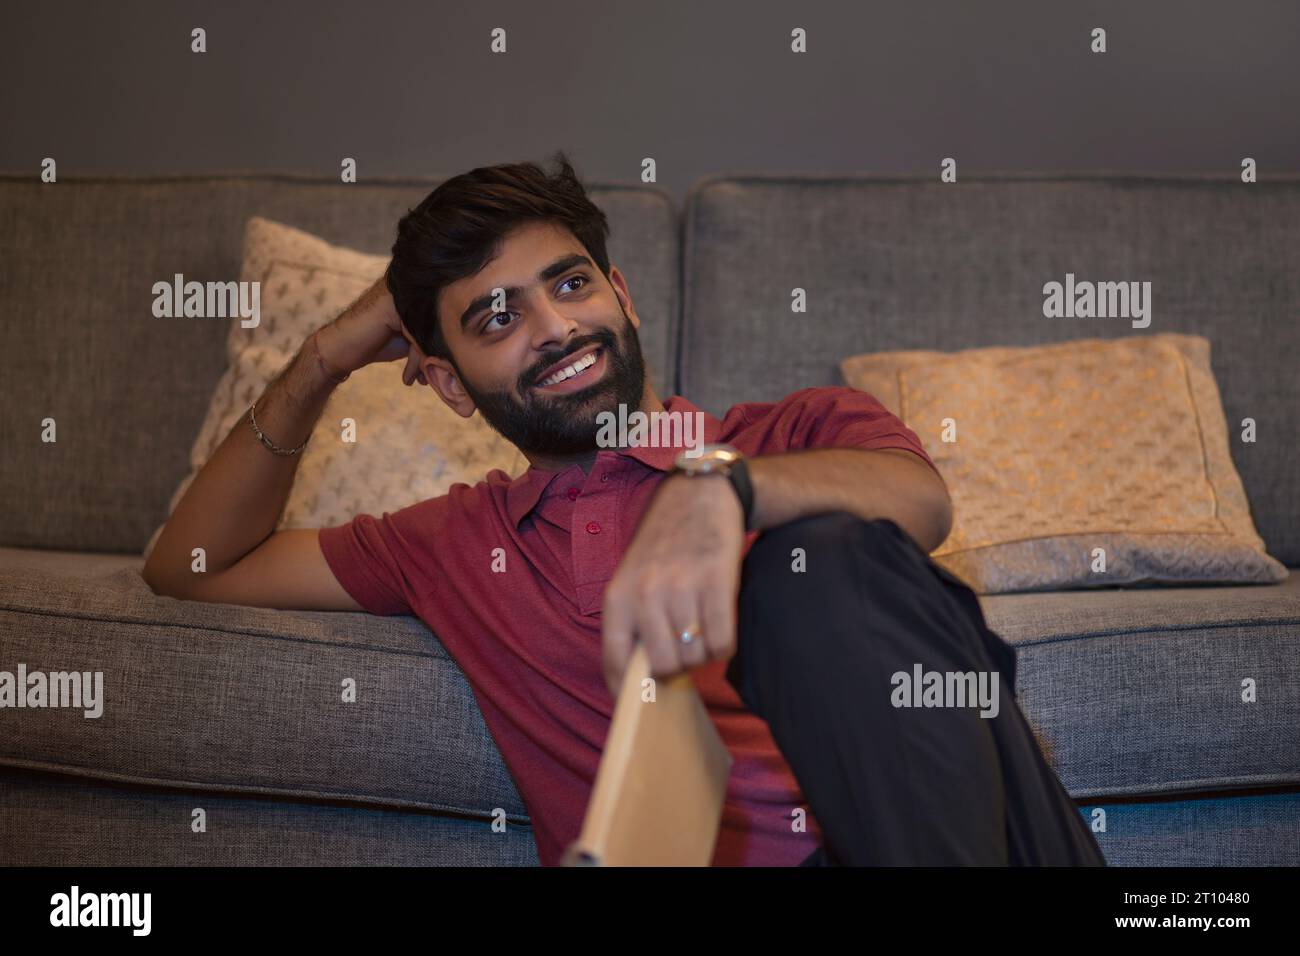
(1247, 829)
(1138, 690)
(66, 564)
(892, 263)
(1055, 452)
(407, 444)
(79, 342)
(53, 820)
(1130, 691)
(248, 700)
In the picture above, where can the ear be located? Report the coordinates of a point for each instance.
(442, 378)
(619, 283)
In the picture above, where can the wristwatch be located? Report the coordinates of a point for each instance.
(722, 459)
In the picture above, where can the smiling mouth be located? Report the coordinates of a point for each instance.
(574, 370)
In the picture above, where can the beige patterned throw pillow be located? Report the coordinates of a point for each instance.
(409, 445)
(1062, 457)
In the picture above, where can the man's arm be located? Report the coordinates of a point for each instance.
(872, 483)
(682, 568)
(231, 508)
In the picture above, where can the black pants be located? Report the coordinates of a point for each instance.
(817, 651)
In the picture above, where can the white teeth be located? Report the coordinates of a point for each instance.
(569, 371)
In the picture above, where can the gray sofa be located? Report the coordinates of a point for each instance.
(1134, 692)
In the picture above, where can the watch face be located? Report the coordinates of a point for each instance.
(716, 457)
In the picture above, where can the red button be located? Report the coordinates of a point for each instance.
(573, 493)
(593, 528)
(604, 477)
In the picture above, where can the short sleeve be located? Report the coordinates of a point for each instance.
(365, 555)
(831, 417)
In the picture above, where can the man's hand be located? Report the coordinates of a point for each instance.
(682, 570)
(369, 331)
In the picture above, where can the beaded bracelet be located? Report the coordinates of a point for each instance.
(252, 420)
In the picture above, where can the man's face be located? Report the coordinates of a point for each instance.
(559, 309)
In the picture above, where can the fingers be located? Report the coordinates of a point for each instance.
(684, 608)
(656, 609)
(655, 616)
(654, 630)
(718, 615)
(662, 611)
(412, 372)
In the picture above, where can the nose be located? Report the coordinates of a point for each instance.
(551, 329)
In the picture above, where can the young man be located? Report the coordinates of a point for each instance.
(783, 563)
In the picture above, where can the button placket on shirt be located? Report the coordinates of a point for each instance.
(595, 521)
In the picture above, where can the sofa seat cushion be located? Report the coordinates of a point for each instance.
(1139, 690)
(1131, 691)
(225, 698)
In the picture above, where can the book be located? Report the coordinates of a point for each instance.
(662, 779)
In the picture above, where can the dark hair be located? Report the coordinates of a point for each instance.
(459, 226)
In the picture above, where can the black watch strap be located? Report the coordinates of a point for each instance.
(738, 475)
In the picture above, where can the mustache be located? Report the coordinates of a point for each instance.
(605, 339)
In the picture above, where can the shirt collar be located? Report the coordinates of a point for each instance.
(524, 492)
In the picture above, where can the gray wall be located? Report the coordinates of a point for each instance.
(411, 88)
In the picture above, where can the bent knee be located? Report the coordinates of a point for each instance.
(828, 540)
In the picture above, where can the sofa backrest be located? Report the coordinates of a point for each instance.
(912, 263)
(887, 262)
(128, 391)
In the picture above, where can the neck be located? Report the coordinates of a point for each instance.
(585, 460)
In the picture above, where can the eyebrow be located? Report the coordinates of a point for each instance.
(554, 270)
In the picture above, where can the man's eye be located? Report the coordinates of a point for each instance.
(488, 327)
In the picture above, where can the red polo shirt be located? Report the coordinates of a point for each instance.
(529, 638)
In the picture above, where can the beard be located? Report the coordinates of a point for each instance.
(566, 424)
